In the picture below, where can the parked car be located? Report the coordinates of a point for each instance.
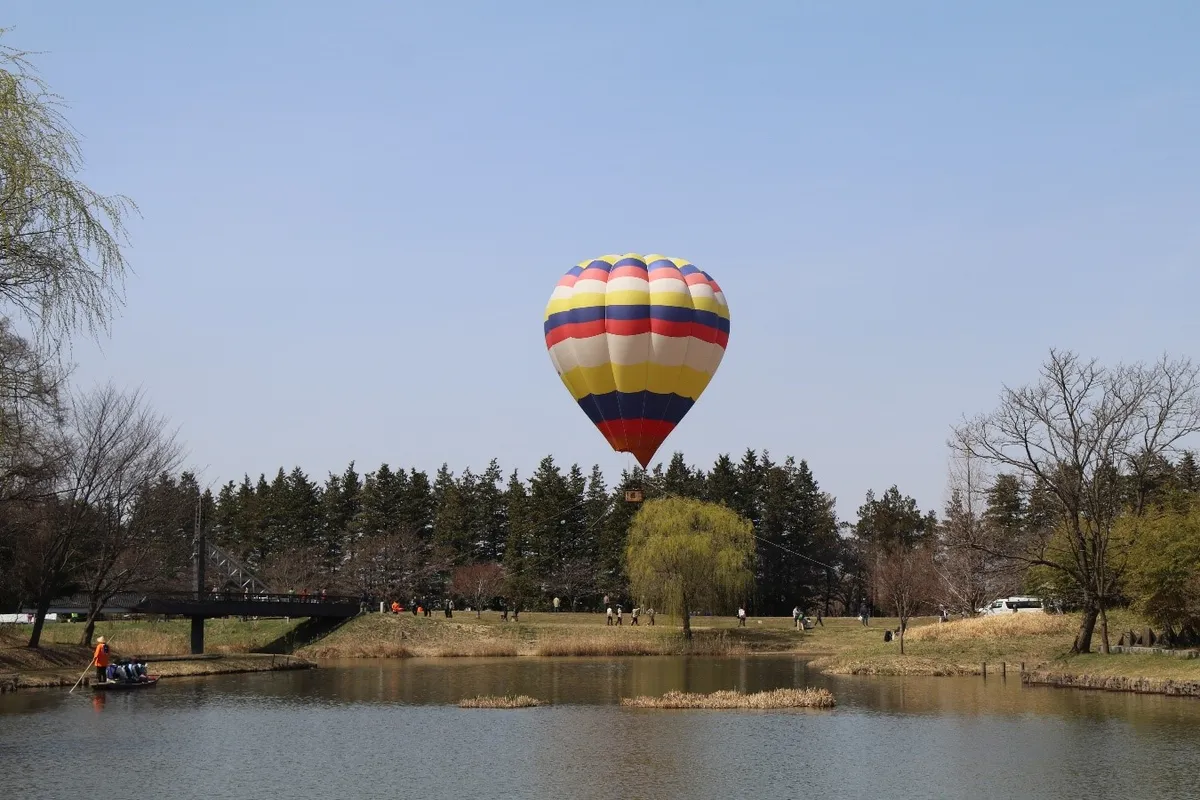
(1014, 605)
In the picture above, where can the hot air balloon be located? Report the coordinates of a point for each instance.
(636, 339)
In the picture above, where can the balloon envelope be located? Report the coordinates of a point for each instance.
(636, 340)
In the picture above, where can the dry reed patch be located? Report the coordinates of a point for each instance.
(604, 645)
(891, 665)
(1008, 626)
(358, 650)
(483, 649)
(494, 701)
(777, 698)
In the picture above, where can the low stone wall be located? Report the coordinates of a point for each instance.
(1155, 651)
(1111, 683)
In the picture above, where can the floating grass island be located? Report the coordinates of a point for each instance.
(778, 698)
(493, 701)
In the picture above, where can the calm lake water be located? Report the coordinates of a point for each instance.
(388, 729)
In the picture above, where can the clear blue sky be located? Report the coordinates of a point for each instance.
(353, 216)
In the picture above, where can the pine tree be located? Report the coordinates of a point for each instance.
(490, 519)
(749, 481)
(518, 552)
(817, 538)
(680, 480)
(1187, 473)
(340, 505)
(415, 503)
(450, 517)
(1006, 505)
(721, 484)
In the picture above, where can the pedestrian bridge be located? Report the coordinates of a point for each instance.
(217, 604)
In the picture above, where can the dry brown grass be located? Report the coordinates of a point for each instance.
(480, 649)
(604, 645)
(493, 701)
(358, 650)
(1008, 626)
(892, 665)
(778, 698)
(619, 643)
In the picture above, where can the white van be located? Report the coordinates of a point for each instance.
(1014, 605)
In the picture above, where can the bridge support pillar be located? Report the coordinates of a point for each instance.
(197, 635)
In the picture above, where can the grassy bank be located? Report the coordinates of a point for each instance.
(217, 665)
(60, 659)
(168, 637)
(841, 646)
(545, 634)
(844, 646)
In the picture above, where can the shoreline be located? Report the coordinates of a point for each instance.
(171, 667)
(1112, 683)
(1033, 648)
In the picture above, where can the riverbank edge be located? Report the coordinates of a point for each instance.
(1112, 683)
(164, 667)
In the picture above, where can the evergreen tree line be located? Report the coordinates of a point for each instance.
(400, 534)
(396, 534)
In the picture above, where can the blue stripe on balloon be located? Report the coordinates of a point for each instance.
(598, 264)
(636, 312)
(630, 262)
(635, 405)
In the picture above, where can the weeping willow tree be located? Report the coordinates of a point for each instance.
(62, 269)
(682, 554)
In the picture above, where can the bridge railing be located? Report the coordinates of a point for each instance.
(135, 599)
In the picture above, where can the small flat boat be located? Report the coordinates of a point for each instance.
(119, 686)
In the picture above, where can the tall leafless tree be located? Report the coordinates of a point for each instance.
(120, 447)
(904, 579)
(114, 446)
(479, 583)
(1086, 432)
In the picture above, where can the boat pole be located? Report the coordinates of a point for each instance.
(91, 664)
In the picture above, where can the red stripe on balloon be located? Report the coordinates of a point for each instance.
(664, 272)
(593, 274)
(628, 272)
(641, 437)
(574, 330)
(635, 327)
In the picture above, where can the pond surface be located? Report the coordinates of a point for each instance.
(389, 729)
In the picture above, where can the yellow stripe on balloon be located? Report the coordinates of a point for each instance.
(629, 297)
(646, 377)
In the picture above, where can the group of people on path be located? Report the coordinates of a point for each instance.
(618, 619)
(421, 609)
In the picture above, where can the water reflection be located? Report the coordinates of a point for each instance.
(390, 729)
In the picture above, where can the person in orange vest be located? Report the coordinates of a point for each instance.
(100, 660)
(395, 607)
